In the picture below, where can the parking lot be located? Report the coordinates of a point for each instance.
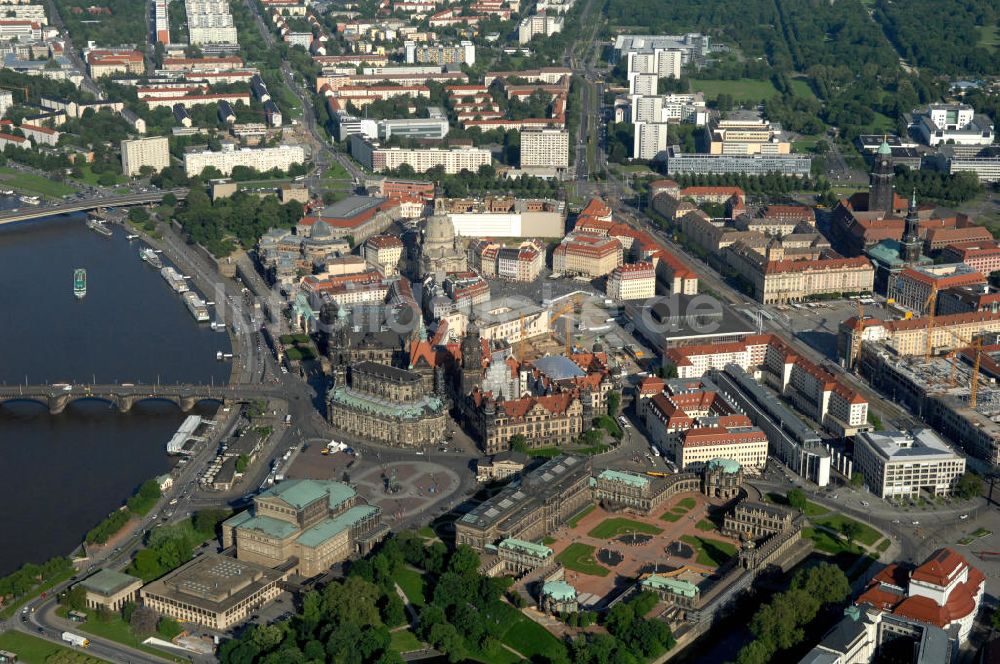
(817, 323)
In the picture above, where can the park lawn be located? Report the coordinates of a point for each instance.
(548, 541)
(802, 88)
(531, 639)
(546, 452)
(743, 89)
(883, 545)
(867, 535)
(670, 516)
(404, 641)
(828, 542)
(574, 520)
(12, 608)
(579, 557)
(881, 123)
(90, 177)
(989, 36)
(412, 583)
(116, 630)
(619, 526)
(337, 172)
(34, 184)
(427, 532)
(33, 650)
(711, 552)
(687, 503)
(705, 525)
(812, 509)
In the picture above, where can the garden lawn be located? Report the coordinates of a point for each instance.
(687, 503)
(705, 525)
(574, 521)
(531, 640)
(337, 172)
(34, 184)
(867, 535)
(404, 641)
(671, 517)
(989, 36)
(412, 583)
(812, 509)
(827, 542)
(33, 650)
(579, 557)
(618, 526)
(711, 552)
(91, 178)
(427, 532)
(743, 89)
(801, 88)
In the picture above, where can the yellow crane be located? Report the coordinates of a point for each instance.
(929, 306)
(565, 309)
(974, 388)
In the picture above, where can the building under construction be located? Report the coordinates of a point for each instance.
(956, 394)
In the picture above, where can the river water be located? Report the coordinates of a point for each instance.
(61, 474)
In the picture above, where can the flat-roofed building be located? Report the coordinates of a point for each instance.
(586, 254)
(544, 499)
(213, 590)
(281, 157)
(746, 445)
(913, 286)
(634, 281)
(110, 589)
(545, 148)
(153, 152)
(900, 464)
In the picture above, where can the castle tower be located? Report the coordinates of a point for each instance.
(911, 234)
(880, 192)
(472, 359)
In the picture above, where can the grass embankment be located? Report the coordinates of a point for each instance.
(116, 630)
(33, 650)
(11, 178)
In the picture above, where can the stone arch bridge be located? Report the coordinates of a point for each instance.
(124, 396)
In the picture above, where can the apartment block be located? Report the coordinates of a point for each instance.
(153, 152)
(262, 159)
(547, 148)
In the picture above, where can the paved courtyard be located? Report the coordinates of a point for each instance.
(416, 484)
(606, 548)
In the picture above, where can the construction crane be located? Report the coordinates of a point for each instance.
(859, 331)
(974, 388)
(929, 306)
(568, 308)
(953, 358)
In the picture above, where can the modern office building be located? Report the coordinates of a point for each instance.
(679, 162)
(153, 152)
(956, 124)
(897, 464)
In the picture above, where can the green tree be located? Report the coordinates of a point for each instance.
(796, 498)
(168, 628)
(464, 561)
(857, 480)
(242, 461)
(446, 638)
(970, 485)
(74, 599)
(850, 530)
(614, 402)
(519, 443)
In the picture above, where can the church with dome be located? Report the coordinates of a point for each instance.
(442, 251)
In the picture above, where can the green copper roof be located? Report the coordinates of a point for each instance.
(727, 465)
(328, 528)
(884, 149)
(538, 550)
(299, 493)
(675, 586)
(626, 478)
(237, 520)
(107, 582)
(270, 526)
(559, 591)
(408, 410)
